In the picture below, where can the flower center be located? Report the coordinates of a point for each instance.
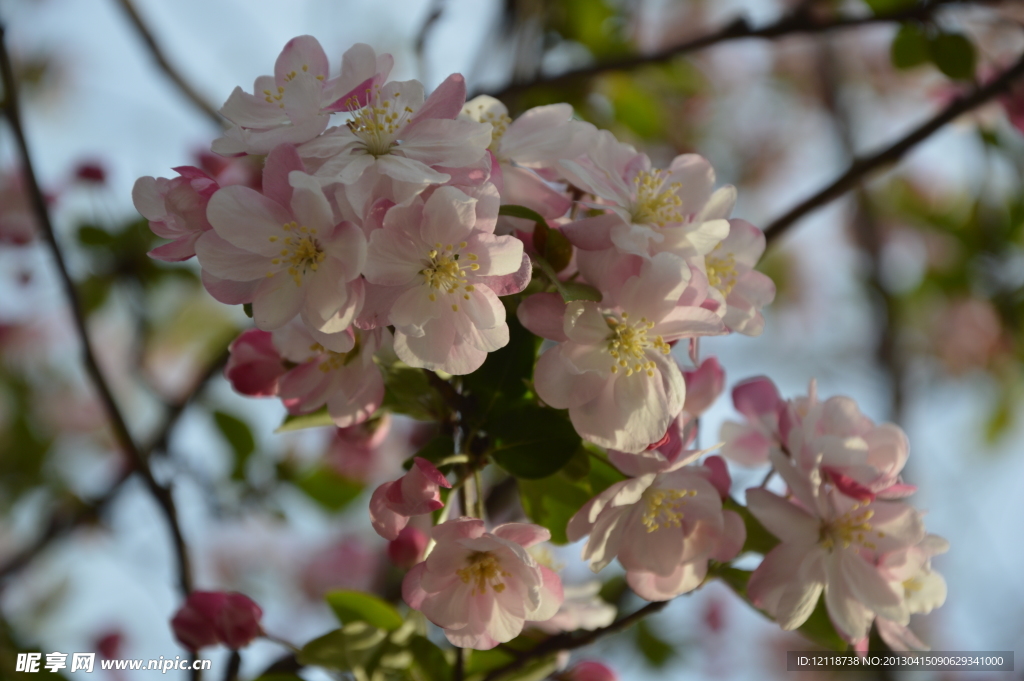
(378, 123)
(628, 345)
(851, 528)
(483, 570)
(721, 272)
(664, 507)
(301, 252)
(656, 202)
(446, 271)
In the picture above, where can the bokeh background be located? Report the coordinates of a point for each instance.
(907, 294)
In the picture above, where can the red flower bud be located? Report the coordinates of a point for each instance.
(589, 670)
(407, 549)
(211, 617)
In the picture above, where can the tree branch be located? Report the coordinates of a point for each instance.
(165, 66)
(570, 641)
(117, 421)
(800, 20)
(861, 167)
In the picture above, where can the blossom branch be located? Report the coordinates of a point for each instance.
(570, 641)
(161, 60)
(860, 167)
(117, 421)
(800, 20)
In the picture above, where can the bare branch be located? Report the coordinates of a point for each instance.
(800, 20)
(161, 60)
(861, 167)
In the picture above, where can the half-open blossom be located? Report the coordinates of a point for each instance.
(482, 587)
(444, 274)
(830, 543)
(415, 493)
(649, 210)
(734, 283)
(397, 133)
(538, 139)
(663, 528)
(294, 105)
(211, 617)
(613, 370)
(176, 209)
(286, 247)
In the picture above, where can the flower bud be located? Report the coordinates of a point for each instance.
(254, 365)
(211, 617)
(407, 550)
(589, 670)
(239, 621)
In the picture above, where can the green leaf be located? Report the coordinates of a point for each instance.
(429, 659)
(347, 648)
(94, 237)
(353, 606)
(888, 6)
(328, 489)
(572, 290)
(656, 651)
(439, 447)
(505, 372)
(759, 539)
(238, 435)
(532, 442)
(552, 501)
(317, 419)
(910, 47)
(954, 54)
(552, 245)
(247, 309)
(523, 212)
(409, 392)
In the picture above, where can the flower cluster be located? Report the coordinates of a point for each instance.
(843, 531)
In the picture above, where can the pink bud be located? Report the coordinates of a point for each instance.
(408, 548)
(254, 365)
(109, 645)
(211, 617)
(756, 396)
(415, 493)
(703, 386)
(719, 475)
(589, 670)
(91, 173)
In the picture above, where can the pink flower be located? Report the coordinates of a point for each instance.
(415, 493)
(611, 368)
(254, 365)
(211, 617)
(735, 285)
(703, 386)
(407, 548)
(589, 670)
(830, 543)
(347, 563)
(923, 589)
(582, 608)
(176, 209)
(442, 270)
(649, 210)
(394, 132)
(294, 105)
(285, 248)
(663, 528)
(482, 587)
(18, 224)
(749, 443)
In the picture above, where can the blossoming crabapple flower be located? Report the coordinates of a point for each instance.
(294, 105)
(830, 543)
(538, 140)
(211, 617)
(482, 587)
(923, 588)
(444, 271)
(396, 133)
(736, 286)
(663, 528)
(176, 209)
(612, 369)
(415, 493)
(582, 609)
(749, 443)
(649, 210)
(287, 248)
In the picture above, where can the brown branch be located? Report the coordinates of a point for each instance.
(117, 421)
(800, 20)
(165, 66)
(861, 167)
(571, 641)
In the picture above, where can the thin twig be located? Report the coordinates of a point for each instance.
(571, 641)
(460, 665)
(799, 20)
(161, 60)
(861, 167)
(117, 421)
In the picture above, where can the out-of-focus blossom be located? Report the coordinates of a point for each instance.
(415, 493)
(582, 608)
(589, 670)
(18, 224)
(211, 617)
(347, 563)
(176, 210)
(482, 587)
(91, 172)
(254, 365)
(967, 334)
(407, 548)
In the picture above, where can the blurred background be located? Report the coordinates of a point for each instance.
(906, 294)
